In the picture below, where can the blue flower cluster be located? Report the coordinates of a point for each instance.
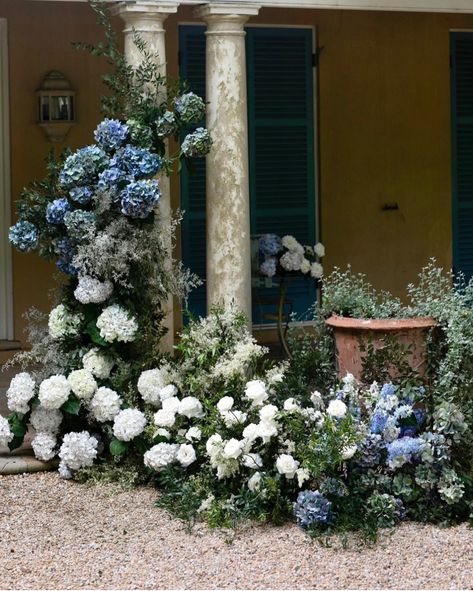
(371, 451)
(333, 486)
(24, 236)
(190, 108)
(111, 134)
(269, 267)
(312, 508)
(270, 244)
(111, 177)
(197, 144)
(66, 248)
(404, 450)
(139, 198)
(56, 210)
(83, 167)
(166, 124)
(80, 224)
(136, 162)
(81, 195)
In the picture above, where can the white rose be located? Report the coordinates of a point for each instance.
(253, 461)
(232, 449)
(186, 455)
(234, 417)
(171, 404)
(164, 418)
(268, 412)
(225, 403)
(190, 407)
(290, 405)
(337, 409)
(194, 434)
(162, 433)
(266, 430)
(168, 391)
(254, 482)
(287, 465)
(319, 249)
(348, 452)
(256, 392)
(250, 432)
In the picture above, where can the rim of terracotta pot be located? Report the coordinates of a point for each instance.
(380, 323)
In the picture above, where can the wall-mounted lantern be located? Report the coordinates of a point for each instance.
(56, 106)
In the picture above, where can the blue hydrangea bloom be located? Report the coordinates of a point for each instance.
(111, 134)
(137, 162)
(387, 390)
(81, 195)
(190, 107)
(378, 422)
(139, 198)
(83, 167)
(24, 236)
(56, 211)
(404, 450)
(270, 244)
(111, 177)
(268, 267)
(64, 246)
(197, 144)
(312, 508)
(65, 265)
(420, 415)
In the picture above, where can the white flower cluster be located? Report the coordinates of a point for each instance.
(105, 405)
(53, 392)
(153, 385)
(237, 361)
(20, 392)
(44, 445)
(6, 436)
(97, 364)
(46, 421)
(116, 324)
(78, 450)
(63, 323)
(295, 260)
(82, 383)
(92, 291)
(189, 407)
(161, 455)
(128, 424)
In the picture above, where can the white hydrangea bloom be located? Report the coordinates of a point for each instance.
(44, 420)
(287, 465)
(225, 403)
(171, 404)
(128, 424)
(186, 455)
(63, 323)
(116, 324)
(150, 384)
(190, 407)
(161, 455)
(20, 392)
(82, 383)
(6, 436)
(319, 249)
(291, 261)
(254, 483)
(255, 391)
(54, 391)
(64, 471)
(43, 446)
(252, 460)
(194, 434)
(316, 270)
(233, 449)
(98, 365)
(292, 244)
(164, 417)
(78, 450)
(305, 266)
(92, 291)
(337, 409)
(105, 405)
(168, 391)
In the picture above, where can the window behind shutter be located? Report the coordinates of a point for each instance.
(462, 118)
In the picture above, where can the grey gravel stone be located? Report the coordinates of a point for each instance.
(58, 534)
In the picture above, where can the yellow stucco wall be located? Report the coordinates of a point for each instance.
(383, 134)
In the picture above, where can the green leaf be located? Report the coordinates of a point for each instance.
(117, 447)
(92, 330)
(72, 406)
(15, 443)
(18, 428)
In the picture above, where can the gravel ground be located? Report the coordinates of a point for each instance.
(57, 534)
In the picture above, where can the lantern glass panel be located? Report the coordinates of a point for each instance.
(44, 108)
(61, 108)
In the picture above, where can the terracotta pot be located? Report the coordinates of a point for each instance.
(349, 332)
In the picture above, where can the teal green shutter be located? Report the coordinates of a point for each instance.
(281, 144)
(462, 157)
(192, 69)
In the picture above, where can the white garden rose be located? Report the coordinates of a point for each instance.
(255, 391)
(43, 445)
(214, 445)
(191, 407)
(232, 449)
(252, 460)
(162, 433)
(287, 465)
(254, 483)
(266, 430)
(319, 249)
(305, 266)
(128, 424)
(44, 420)
(168, 391)
(194, 434)
(20, 392)
(63, 323)
(82, 383)
(171, 404)
(268, 412)
(225, 403)
(105, 405)
(78, 450)
(116, 324)
(316, 270)
(186, 455)
(250, 432)
(54, 392)
(6, 436)
(98, 365)
(291, 405)
(234, 417)
(337, 409)
(164, 417)
(161, 455)
(348, 452)
(92, 291)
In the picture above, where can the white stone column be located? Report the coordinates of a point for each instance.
(228, 204)
(147, 19)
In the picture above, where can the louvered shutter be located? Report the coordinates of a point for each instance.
(462, 117)
(192, 69)
(281, 142)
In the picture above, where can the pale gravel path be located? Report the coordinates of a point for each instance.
(56, 534)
